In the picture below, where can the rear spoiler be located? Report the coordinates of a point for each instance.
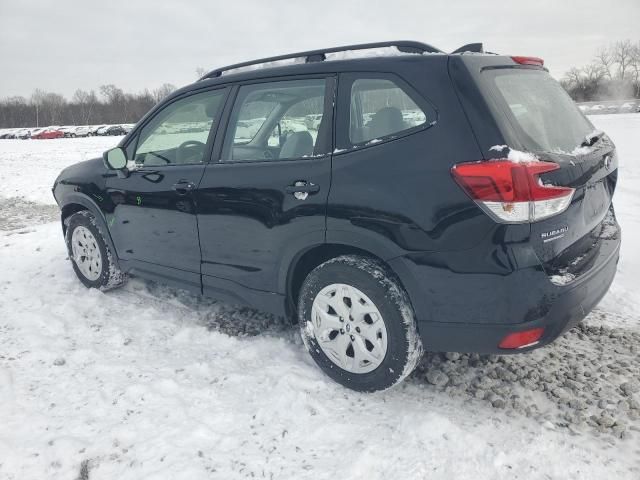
(470, 47)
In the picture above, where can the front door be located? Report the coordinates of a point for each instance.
(154, 224)
(265, 196)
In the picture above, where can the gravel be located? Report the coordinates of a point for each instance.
(585, 381)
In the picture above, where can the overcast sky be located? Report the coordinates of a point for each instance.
(64, 45)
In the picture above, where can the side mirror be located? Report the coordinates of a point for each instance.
(115, 159)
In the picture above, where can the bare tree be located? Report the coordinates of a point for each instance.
(86, 102)
(635, 67)
(163, 91)
(36, 100)
(604, 58)
(622, 54)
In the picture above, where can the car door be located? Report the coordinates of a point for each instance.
(264, 194)
(154, 224)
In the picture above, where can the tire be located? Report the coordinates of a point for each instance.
(92, 260)
(393, 348)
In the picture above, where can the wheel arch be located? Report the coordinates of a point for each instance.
(305, 261)
(77, 202)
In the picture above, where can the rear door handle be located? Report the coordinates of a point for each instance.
(302, 187)
(183, 187)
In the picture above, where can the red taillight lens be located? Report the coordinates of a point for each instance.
(521, 339)
(512, 192)
(528, 61)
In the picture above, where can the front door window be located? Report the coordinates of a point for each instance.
(180, 132)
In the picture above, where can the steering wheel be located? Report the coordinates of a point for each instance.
(184, 151)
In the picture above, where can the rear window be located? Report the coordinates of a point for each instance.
(542, 113)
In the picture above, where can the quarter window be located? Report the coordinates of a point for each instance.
(380, 108)
(277, 121)
(179, 133)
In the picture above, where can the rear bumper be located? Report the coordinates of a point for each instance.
(522, 300)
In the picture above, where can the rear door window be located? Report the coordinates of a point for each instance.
(541, 112)
(279, 120)
(379, 109)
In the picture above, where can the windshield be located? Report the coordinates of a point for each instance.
(542, 113)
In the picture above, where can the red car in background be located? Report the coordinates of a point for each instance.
(48, 134)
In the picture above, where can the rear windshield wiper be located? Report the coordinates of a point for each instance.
(592, 138)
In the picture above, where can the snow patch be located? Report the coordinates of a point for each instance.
(515, 156)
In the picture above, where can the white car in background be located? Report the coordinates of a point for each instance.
(82, 131)
(23, 133)
(627, 107)
(68, 131)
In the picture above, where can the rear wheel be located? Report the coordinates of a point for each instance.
(358, 324)
(89, 253)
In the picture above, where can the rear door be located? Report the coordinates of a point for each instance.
(536, 115)
(264, 194)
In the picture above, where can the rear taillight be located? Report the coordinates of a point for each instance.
(513, 192)
(538, 62)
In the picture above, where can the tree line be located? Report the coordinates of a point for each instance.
(613, 74)
(110, 105)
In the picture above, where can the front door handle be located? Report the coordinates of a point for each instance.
(183, 187)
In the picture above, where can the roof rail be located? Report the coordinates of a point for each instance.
(406, 46)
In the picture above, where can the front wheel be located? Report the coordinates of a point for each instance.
(357, 322)
(90, 254)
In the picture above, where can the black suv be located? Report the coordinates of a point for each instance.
(451, 202)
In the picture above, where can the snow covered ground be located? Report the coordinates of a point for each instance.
(152, 382)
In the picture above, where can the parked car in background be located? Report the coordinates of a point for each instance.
(23, 133)
(48, 133)
(102, 130)
(312, 121)
(82, 131)
(68, 131)
(627, 107)
(35, 131)
(8, 133)
(93, 130)
(128, 127)
(115, 130)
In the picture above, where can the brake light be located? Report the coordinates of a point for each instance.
(511, 192)
(523, 339)
(538, 62)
